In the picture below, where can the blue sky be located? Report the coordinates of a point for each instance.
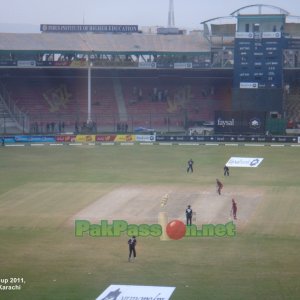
(188, 13)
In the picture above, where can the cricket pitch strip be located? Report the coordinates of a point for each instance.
(138, 204)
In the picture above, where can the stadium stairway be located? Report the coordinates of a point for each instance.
(11, 118)
(7, 123)
(123, 116)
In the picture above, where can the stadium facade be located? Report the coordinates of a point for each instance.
(239, 74)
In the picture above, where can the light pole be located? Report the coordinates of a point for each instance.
(89, 118)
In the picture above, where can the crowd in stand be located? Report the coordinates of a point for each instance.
(87, 127)
(156, 95)
(49, 127)
(122, 127)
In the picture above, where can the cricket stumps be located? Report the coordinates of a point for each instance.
(163, 222)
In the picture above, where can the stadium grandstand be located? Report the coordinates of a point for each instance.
(119, 78)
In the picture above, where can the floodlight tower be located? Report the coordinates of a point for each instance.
(171, 19)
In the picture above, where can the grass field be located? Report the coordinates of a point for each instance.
(43, 188)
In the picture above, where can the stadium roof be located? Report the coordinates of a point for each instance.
(106, 43)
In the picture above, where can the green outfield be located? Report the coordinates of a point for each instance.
(42, 190)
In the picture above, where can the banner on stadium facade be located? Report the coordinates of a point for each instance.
(271, 35)
(244, 35)
(79, 63)
(239, 122)
(145, 138)
(228, 138)
(88, 28)
(158, 138)
(34, 139)
(53, 63)
(147, 65)
(65, 138)
(183, 65)
(137, 292)
(125, 138)
(85, 138)
(248, 85)
(26, 63)
(7, 63)
(106, 138)
(244, 162)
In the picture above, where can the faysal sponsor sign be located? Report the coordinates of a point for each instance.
(244, 162)
(136, 292)
(239, 122)
(224, 123)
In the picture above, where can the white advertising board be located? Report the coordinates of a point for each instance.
(244, 162)
(136, 292)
